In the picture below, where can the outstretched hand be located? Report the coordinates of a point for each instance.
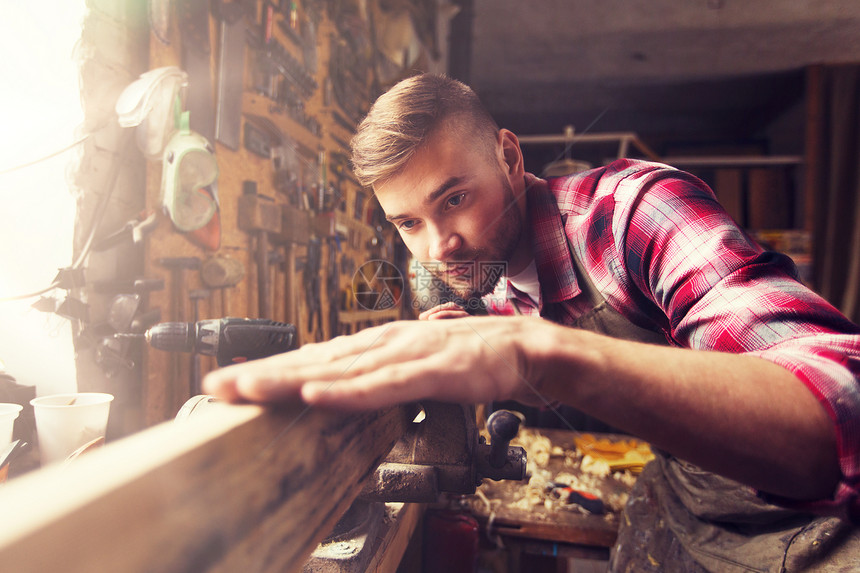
(467, 361)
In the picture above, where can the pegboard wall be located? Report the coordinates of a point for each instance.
(277, 88)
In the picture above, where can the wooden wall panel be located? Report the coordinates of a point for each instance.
(167, 376)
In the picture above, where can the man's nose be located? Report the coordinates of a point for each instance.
(443, 244)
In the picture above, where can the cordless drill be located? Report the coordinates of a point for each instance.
(229, 340)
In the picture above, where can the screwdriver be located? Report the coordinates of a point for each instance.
(582, 498)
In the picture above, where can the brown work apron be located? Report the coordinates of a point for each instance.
(682, 518)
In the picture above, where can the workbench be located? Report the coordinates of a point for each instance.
(555, 529)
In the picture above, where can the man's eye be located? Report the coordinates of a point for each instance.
(455, 200)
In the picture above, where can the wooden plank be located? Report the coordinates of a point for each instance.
(579, 530)
(393, 545)
(233, 488)
(355, 316)
(737, 161)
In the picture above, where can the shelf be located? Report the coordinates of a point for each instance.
(356, 316)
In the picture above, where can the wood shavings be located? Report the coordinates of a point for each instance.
(581, 472)
(595, 466)
(538, 448)
(535, 491)
(625, 477)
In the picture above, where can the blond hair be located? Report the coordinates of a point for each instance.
(406, 116)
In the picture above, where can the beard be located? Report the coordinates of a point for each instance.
(483, 268)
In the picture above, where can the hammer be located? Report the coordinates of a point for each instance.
(177, 267)
(260, 215)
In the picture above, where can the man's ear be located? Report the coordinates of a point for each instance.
(510, 153)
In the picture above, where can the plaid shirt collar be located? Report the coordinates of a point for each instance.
(549, 243)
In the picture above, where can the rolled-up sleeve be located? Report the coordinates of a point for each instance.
(721, 291)
(829, 365)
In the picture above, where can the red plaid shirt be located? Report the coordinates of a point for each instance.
(665, 255)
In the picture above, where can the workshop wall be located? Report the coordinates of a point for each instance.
(277, 89)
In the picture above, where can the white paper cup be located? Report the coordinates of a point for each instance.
(65, 422)
(8, 414)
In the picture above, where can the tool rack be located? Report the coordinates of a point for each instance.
(298, 227)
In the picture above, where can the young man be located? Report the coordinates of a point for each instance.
(639, 302)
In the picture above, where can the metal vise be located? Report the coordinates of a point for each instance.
(445, 453)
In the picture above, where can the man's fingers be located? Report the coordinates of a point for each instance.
(281, 377)
(459, 361)
(262, 388)
(223, 388)
(446, 314)
(445, 308)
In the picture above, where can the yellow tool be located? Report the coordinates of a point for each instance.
(625, 454)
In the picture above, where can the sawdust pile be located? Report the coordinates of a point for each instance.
(582, 472)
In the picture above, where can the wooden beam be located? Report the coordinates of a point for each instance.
(816, 154)
(719, 161)
(233, 488)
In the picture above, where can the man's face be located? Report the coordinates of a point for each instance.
(456, 209)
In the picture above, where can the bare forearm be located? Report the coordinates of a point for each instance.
(740, 416)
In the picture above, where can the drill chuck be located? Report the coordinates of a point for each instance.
(172, 336)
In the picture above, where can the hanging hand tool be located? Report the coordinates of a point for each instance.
(261, 135)
(282, 79)
(259, 215)
(221, 272)
(311, 281)
(177, 267)
(333, 287)
(231, 72)
(193, 17)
